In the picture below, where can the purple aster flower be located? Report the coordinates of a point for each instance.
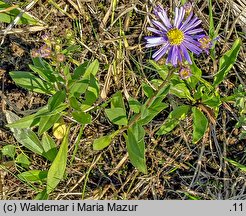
(185, 73)
(206, 43)
(178, 38)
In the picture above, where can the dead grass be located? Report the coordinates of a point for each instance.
(176, 169)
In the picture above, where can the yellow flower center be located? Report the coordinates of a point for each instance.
(205, 42)
(185, 73)
(175, 36)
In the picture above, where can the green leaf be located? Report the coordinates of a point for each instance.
(91, 94)
(23, 160)
(104, 141)
(148, 91)
(31, 82)
(58, 167)
(196, 74)
(173, 119)
(135, 105)
(9, 150)
(25, 122)
(236, 164)
(74, 103)
(9, 16)
(117, 100)
(80, 70)
(136, 147)
(117, 116)
(46, 74)
(117, 112)
(92, 69)
(25, 137)
(78, 87)
(200, 124)
(81, 117)
(46, 122)
(151, 113)
(32, 175)
(50, 150)
(226, 62)
(181, 91)
(212, 100)
(56, 100)
(162, 70)
(42, 195)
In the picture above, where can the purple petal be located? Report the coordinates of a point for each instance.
(186, 21)
(193, 48)
(155, 30)
(194, 31)
(175, 55)
(165, 19)
(186, 54)
(192, 26)
(159, 25)
(179, 17)
(169, 58)
(191, 40)
(161, 52)
(155, 41)
(180, 59)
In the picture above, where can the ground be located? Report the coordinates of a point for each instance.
(177, 169)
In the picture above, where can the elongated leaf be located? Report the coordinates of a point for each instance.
(25, 137)
(47, 122)
(32, 175)
(152, 108)
(42, 195)
(226, 62)
(50, 150)
(117, 116)
(46, 74)
(151, 113)
(56, 100)
(58, 167)
(161, 69)
(10, 16)
(78, 87)
(23, 160)
(236, 164)
(80, 70)
(30, 120)
(103, 142)
(92, 69)
(135, 105)
(81, 117)
(173, 119)
(136, 147)
(74, 103)
(31, 82)
(117, 112)
(200, 124)
(148, 91)
(196, 75)
(91, 94)
(180, 90)
(117, 101)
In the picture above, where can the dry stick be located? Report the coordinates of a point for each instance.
(81, 179)
(199, 163)
(15, 21)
